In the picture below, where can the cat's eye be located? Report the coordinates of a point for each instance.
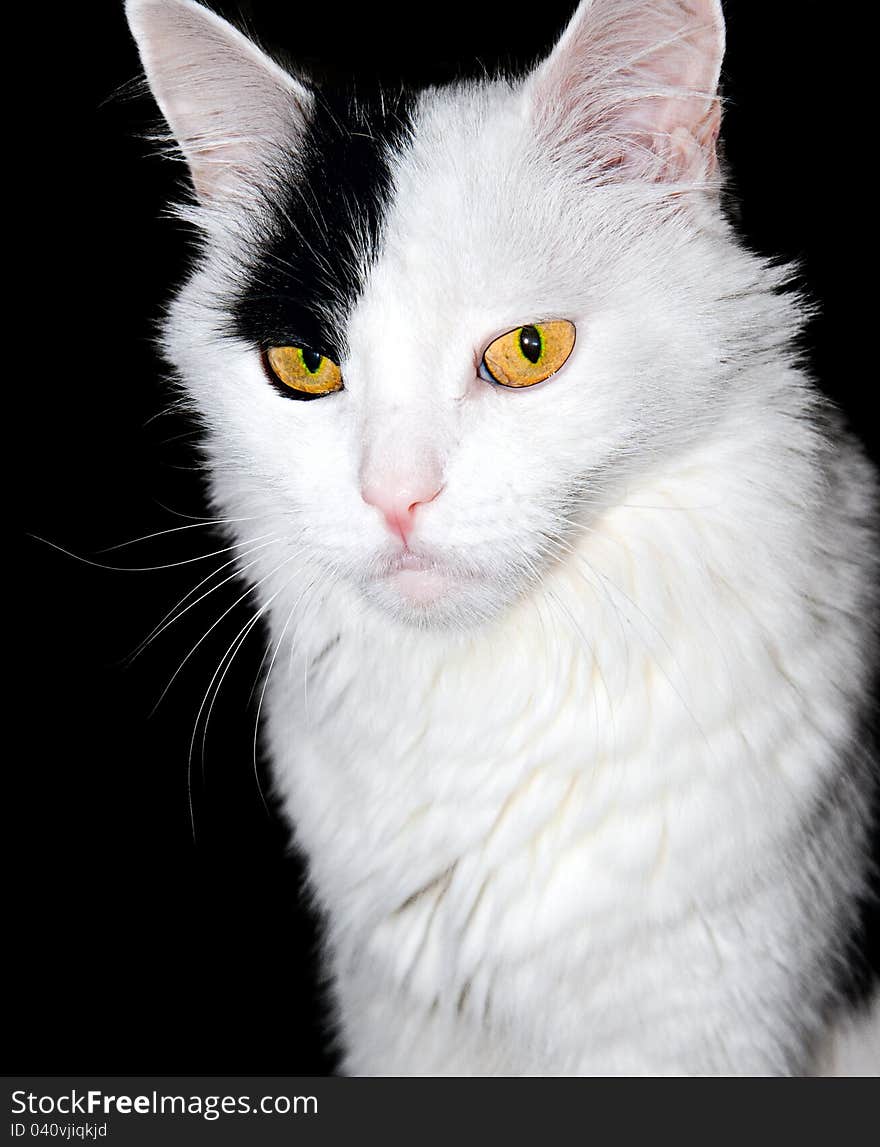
(305, 372)
(528, 354)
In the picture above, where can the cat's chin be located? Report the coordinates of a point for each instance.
(433, 598)
(420, 586)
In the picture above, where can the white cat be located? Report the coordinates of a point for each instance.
(572, 589)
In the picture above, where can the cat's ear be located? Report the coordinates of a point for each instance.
(229, 106)
(634, 86)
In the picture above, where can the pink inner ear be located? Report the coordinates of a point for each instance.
(634, 86)
(226, 102)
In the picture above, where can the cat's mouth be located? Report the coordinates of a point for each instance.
(418, 579)
(407, 560)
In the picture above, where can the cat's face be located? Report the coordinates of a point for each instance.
(399, 241)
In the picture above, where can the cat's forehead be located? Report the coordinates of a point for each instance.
(396, 198)
(321, 225)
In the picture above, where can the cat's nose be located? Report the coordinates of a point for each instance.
(398, 499)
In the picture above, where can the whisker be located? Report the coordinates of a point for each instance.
(176, 530)
(594, 661)
(607, 584)
(209, 517)
(246, 629)
(173, 615)
(222, 670)
(134, 569)
(278, 643)
(251, 589)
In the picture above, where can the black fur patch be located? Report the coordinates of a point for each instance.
(324, 231)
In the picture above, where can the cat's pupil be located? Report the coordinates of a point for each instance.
(311, 360)
(530, 343)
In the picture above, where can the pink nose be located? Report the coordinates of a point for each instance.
(398, 500)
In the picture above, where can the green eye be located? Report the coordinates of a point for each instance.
(529, 354)
(304, 370)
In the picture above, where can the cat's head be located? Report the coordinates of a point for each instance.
(432, 335)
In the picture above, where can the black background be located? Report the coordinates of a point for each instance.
(136, 944)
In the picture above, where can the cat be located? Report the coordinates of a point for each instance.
(571, 597)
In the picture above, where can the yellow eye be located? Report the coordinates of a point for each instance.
(529, 354)
(306, 372)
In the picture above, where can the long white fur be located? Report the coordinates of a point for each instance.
(586, 813)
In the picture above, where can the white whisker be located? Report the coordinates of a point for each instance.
(250, 589)
(176, 613)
